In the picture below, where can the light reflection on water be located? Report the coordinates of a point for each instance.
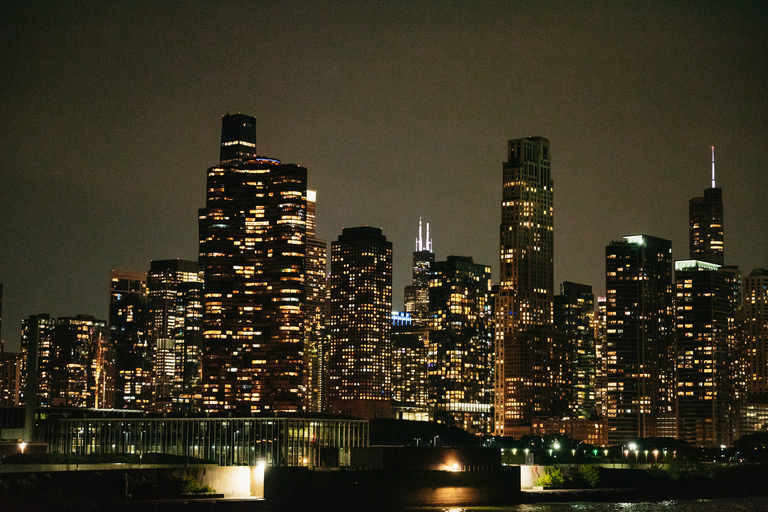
(704, 505)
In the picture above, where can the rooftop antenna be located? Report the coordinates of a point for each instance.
(420, 245)
(713, 166)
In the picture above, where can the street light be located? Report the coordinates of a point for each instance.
(655, 456)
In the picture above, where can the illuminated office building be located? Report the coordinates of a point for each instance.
(37, 352)
(574, 313)
(461, 327)
(253, 254)
(409, 367)
(10, 377)
(175, 306)
(417, 293)
(360, 319)
(315, 331)
(129, 338)
(754, 413)
(706, 224)
(74, 362)
(706, 302)
(640, 346)
(598, 327)
(531, 379)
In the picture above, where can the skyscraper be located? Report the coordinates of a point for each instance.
(461, 328)
(37, 352)
(253, 251)
(417, 293)
(574, 312)
(315, 331)
(707, 298)
(360, 318)
(175, 306)
(409, 368)
(639, 350)
(706, 224)
(530, 380)
(73, 359)
(754, 415)
(129, 338)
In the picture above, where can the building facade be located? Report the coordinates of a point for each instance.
(175, 312)
(410, 341)
(128, 334)
(707, 373)
(315, 331)
(639, 350)
(360, 318)
(706, 224)
(754, 413)
(253, 255)
(574, 316)
(526, 385)
(461, 327)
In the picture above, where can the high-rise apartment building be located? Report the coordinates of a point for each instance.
(74, 362)
(128, 334)
(639, 349)
(253, 254)
(706, 224)
(417, 293)
(707, 373)
(175, 312)
(10, 377)
(315, 331)
(530, 377)
(754, 414)
(37, 353)
(409, 367)
(360, 318)
(574, 314)
(461, 327)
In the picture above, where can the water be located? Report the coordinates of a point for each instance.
(704, 505)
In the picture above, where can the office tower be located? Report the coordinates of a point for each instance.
(10, 377)
(129, 338)
(360, 318)
(82, 369)
(37, 352)
(754, 414)
(1, 311)
(640, 345)
(706, 223)
(409, 368)
(253, 255)
(530, 380)
(417, 293)
(598, 327)
(461, 328)
(574, 313)
(175, 310)
(706, 303)
(315, 332)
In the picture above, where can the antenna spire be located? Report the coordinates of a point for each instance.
(420, 242)
(713, 166)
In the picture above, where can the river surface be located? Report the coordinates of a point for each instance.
(704, 505)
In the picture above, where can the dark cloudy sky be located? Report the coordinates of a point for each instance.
(111, 115)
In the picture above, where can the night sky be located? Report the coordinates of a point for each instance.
(111, 115)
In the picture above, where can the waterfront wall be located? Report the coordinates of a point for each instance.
(292, 488)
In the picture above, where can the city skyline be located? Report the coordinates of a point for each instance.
(397, 112)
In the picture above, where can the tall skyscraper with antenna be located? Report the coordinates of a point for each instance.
(417, 294)
(706, 224)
